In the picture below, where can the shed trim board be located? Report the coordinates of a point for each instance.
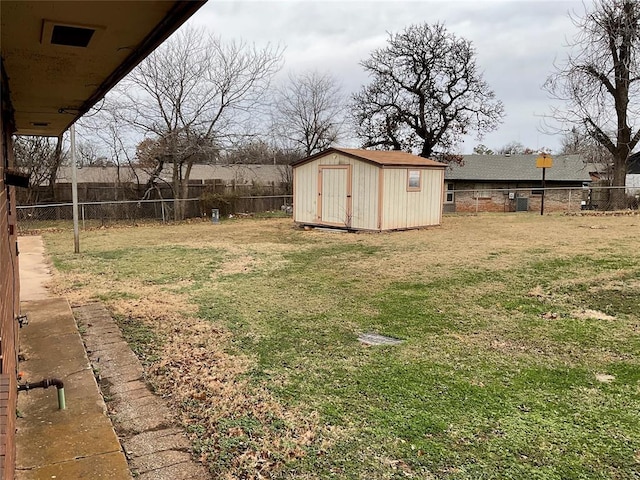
(416, 188)
(387, 158)
(380, 197)
(343, 188)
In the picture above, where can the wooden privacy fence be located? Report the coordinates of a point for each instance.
(91, 214)
(112, 192)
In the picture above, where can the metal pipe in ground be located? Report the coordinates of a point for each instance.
(46, 383)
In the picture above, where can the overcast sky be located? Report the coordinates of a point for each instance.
(517, 42)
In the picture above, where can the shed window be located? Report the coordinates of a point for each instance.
(414, 181)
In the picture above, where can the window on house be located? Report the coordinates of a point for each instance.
(481, 191)
(414, 181)
(449, 197)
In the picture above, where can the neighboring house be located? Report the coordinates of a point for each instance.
(367, 190)
(57, 60)
(503, 183)
(245, 174)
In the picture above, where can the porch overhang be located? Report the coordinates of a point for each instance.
(61, 57)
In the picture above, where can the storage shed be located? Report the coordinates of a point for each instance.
(367, 190)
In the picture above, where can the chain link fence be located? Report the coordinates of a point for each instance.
(478, 200)
(98, 214)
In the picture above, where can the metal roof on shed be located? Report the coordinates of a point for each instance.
(566, 168)
(384, 158)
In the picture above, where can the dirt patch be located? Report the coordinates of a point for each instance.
(604, 378)
(538, 292)
(617, 213)
(237, 264)
(617, 285)
(591, 314)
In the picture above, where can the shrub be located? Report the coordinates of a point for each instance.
(225, 202)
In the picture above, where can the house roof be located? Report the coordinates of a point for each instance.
(62, 57)
(566, 168)
(385, 158)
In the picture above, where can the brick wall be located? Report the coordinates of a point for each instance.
(9, 298)
(472, 197)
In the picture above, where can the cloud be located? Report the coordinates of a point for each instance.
(517, 43)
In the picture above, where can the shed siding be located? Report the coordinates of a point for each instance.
(364, 191)
(305, 193)
(409, 209)
(633, 184)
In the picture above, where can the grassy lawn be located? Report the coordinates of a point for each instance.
(520, 355)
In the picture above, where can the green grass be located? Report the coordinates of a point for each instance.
(493, 380)
(460, 414)
(142, 339)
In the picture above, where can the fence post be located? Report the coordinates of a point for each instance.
(477, 203)
(162, 205)
(569, 199)
(83, 226)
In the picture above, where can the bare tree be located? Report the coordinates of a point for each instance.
(515, 148)
(192, 95)
(599, 84)
(88, 155)
(426, 92)
(259, 152)
(107, 141)
(286, 178)
(150, 158)
(592, 153)
(308, 112)
(482, 149)
(39, 157)
(54, 166)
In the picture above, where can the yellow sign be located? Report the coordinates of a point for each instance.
(544, 161)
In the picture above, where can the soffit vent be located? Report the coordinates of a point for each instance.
(71, 36)
(67, 35)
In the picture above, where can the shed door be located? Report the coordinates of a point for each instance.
(334, 205)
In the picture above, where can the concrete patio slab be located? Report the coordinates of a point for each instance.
(78, 442)
(34, 271)
(80, 469)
